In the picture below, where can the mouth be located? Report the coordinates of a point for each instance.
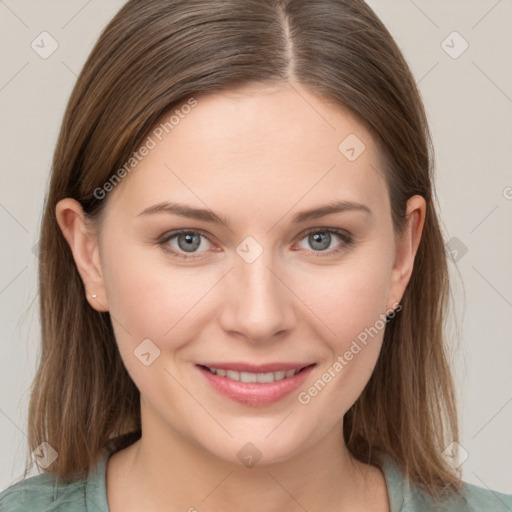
(263, 374)
(255, 388)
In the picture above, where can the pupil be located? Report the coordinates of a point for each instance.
(192, 242)
(323, 239)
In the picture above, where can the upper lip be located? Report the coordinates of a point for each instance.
(256, 368)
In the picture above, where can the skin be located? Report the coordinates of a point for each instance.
(255, 155)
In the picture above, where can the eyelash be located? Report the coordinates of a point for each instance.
(347, 239)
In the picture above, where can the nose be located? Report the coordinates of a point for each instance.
(259, 303)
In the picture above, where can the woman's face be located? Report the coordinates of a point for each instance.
(267, 284)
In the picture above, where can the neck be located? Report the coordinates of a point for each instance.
(165, 471)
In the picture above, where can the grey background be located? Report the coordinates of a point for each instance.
(469, 104)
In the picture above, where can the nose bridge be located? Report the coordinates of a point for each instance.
(259, 303)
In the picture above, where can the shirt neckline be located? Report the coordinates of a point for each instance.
(96, 486)
(396, 484)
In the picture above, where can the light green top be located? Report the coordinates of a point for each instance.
(42, 493)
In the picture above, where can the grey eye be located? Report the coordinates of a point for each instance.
(187, 241)
(320, 240)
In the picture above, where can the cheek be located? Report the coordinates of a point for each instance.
(149, 295)
(349, 303)
(149, 301)
(151, 298)
(347, 298)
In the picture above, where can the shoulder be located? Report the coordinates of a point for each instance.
(479, 498)
(48, 493)
(404, 496)
(473, 498)
(44, 493)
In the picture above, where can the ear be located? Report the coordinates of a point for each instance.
(406, 247)
(84, 247)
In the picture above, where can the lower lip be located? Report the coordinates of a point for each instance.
(256, 394)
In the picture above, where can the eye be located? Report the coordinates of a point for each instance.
(187, 242)
(320, 239)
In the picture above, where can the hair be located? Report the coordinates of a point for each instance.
(153, 56)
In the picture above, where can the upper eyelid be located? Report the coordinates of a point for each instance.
(336, 231)
(171, 234)
(174, 232)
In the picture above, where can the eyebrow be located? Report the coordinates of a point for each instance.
(205, 215)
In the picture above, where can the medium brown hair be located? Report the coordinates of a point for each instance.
(156, 54)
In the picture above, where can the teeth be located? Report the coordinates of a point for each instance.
(262, 378)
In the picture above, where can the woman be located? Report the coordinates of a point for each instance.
(242, 275)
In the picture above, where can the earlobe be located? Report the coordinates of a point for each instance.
(84, 248)
(407, 246)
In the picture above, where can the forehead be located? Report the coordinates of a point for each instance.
(257, 149)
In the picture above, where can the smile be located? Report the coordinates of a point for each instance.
(262, 378)
(255, 388)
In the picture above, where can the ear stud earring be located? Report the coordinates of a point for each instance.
(93, 296)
